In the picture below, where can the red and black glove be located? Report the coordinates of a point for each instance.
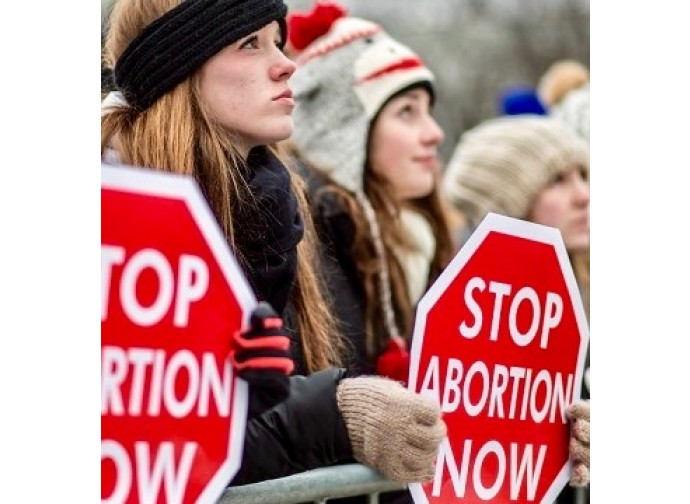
(262, 358)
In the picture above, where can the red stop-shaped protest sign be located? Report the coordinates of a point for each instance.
(500, 341)
(173, 413)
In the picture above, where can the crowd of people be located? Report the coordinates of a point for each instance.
(312, 137)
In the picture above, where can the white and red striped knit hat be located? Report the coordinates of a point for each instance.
(347, 70)
(344, 77)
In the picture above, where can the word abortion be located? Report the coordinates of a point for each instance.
(505, 392)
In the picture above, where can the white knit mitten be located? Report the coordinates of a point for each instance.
(391, 429)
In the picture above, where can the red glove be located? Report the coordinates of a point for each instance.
(261, 356)
(394, 362)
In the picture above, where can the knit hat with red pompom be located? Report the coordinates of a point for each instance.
(345, 75)
(347, 70)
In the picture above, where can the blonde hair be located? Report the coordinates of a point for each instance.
(176, 135)
(560, 78)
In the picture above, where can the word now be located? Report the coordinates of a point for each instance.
(135, 370)
(524, 469)
(552, 312)
(145, 476)
(190, 284)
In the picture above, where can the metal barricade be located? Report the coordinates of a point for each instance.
(317, 485)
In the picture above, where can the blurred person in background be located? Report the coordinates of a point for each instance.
(368, 144)
(533, 168)
(528, 167)
(366, 139)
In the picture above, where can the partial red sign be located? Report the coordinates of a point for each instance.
(500, 342)
(173, 413)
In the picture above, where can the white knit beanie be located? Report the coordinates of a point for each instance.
(343, 79)
(573, 110)
(502, 164)
(564, 88)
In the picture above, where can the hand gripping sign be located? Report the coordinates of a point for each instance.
(500, 341)
(173, 413)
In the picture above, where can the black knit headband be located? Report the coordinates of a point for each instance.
(181, 40)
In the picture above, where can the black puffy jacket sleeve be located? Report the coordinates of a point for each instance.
(336, 232)
(304, 432)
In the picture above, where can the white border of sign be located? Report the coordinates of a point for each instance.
(521, 229)
(145, 181)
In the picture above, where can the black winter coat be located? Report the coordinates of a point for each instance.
(336, 232)
(307, 430)
(304, 432)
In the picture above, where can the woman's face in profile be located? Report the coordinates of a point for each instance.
(245, 88)
(404, 142)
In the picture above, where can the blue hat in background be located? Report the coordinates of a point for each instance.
(520, 100)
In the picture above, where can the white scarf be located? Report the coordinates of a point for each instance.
(416, 261)
(113, 100)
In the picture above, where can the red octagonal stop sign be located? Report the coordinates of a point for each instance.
(499, 342)
(173, 413)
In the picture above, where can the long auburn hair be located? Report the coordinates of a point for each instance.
(177, 135)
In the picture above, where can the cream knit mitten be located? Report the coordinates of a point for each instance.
(391, 429)
(578, 414)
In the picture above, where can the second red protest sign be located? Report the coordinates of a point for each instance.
(173, 413)
(499, 342)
